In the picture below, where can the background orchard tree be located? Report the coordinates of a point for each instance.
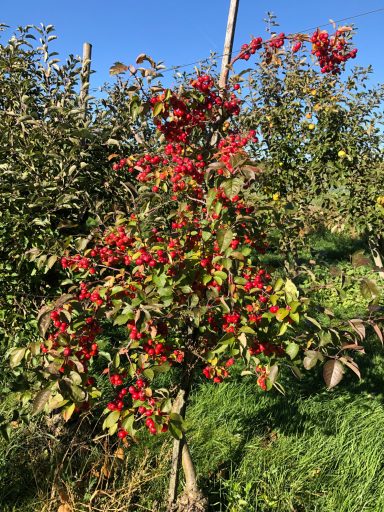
(178, 282)
(321, 148)
(56, 180)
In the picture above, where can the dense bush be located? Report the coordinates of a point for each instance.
(56, 180)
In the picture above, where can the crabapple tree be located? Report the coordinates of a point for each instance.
(179, 283)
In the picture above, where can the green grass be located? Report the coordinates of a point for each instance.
(309, 451)
(324, 452)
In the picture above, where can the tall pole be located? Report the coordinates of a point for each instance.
(85, 73)
(228, 44)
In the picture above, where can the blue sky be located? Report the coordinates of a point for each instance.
(180, 31)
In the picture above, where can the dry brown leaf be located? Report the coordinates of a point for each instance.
(65, 507)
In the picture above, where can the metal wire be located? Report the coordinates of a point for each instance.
(206, 59)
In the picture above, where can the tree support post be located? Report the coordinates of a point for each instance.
(228, 43)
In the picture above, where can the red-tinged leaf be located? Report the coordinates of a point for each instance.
(344, 29)
(359, 259)
(353, 366)
(117, 68)
(44, 320)
(333, 372)
(352, 346)
(140, 58)
(41, 399)
(358, 326)
(377, 330)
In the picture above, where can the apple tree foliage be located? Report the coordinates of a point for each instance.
(177, 280)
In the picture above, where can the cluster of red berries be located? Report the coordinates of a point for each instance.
(55, 317)
(230, 321)
(142, 393)
(93, 296)
(258, 281)
(117, 166)
(77, 262)
(81, 344)
(277, 41)
(179, 116)
(203, 83)
(216, 373)
(231, 145)
(250, 49)
(331, 51)
(296, 47)
(262, 377)
(268, 349)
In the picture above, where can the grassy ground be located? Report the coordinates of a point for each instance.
(310, 451)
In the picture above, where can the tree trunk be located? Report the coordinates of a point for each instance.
(192, 499)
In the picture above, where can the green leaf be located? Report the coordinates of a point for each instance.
(72, 390)
(175, 430)
(211, 196)
(206, 235)
(232, 187)
(194, 300)
(281, 314)
(218, 279)
(291, 292)
(224, 239)
(247, 329)
(111, 419)
(158, 108)
(165, 292)
(122, 319)
(369, 289)
(279, 284)
(206, 279)
(68, 411)
(311, 358)
(160, 280)
(176, 425)
(149, 373)
(313, 321)
(127, 424)
(162, 368)
(16, 356)
(292, 350)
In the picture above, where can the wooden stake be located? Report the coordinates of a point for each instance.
(85, 73)
(228, 44)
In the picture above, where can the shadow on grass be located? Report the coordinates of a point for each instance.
(289, 416)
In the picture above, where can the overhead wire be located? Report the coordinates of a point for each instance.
(206, 59)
